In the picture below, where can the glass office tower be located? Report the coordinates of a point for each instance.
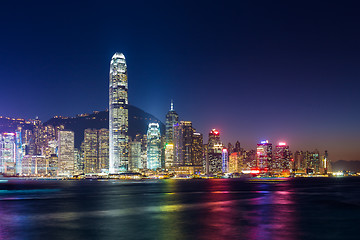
(118, 115)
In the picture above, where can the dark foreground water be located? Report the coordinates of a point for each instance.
(311, 208)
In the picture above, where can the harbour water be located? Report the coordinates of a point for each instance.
(300, 208)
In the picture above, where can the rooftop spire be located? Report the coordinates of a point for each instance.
(172, 105)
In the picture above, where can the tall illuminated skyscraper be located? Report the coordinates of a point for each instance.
(225, 160)
(118, 115)
(214, 152)
(169, 155)
(7, 153)
(197, 150)
(264, 154)
(153, 146)
(172, 119)
(103, 141)
(66, 153)
(90, 148)
(183, 136)
(281, 159)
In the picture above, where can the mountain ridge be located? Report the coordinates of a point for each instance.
(138, 122)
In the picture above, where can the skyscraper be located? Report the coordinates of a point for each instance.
(103, 153)
(312, 162)
(172, 119)
(19, 151)
(135, 155)
(236, 163)
(225, 160)
(299, 161)
(281, 159)
(237, 147)
(214, 155)
(169, 155)
(7, 153)
(66, 153)
(153, 146)
(96, 150)
(264, 154)
(183, 139)
(197, 149)
(90, 148)
(118, 115)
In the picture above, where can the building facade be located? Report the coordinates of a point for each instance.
(172, 119)
(264, 154)
(153, 146)
(183, 140)
(66, 159)
(214, 152)
(7, 153)
(118, 115)
(197, 149)
(281, 161)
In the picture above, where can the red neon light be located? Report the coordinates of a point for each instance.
(255, 171)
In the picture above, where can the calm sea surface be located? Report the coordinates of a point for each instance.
(309, 208)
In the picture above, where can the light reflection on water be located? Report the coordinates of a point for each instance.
(164, 209)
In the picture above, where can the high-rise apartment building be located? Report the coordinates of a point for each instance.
(53, 165)
(225, 160)
(103, 149)
(281, 160)
(138, 152)
(249, 159)
(169, 156)
(214, 152)
(20, 150)
(312, 162)
(197, 149)
(236, 164)
(96, 150)
(90, 148)
(299, 161)
(237, 147)
(230, 148)
(153, 146)
(183, 139)
(135, 155)
(7, 153)
(118, 115)
(66, 153)
(79, 161)
(34, 165)
(325, 163)
(264, 154)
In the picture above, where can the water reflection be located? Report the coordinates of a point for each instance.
(168, 209)
(169, 226)
(274, 214)
(218, 220)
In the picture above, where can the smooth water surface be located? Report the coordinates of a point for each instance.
(307, 208)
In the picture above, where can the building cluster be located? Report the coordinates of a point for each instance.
(49, 151)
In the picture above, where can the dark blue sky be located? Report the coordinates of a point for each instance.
(277, 70)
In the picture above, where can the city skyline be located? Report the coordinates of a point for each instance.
(253, 85)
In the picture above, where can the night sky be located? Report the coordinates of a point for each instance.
(278, 70)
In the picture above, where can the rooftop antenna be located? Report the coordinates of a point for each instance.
(172, 105)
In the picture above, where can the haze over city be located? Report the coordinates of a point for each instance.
(279, 71)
